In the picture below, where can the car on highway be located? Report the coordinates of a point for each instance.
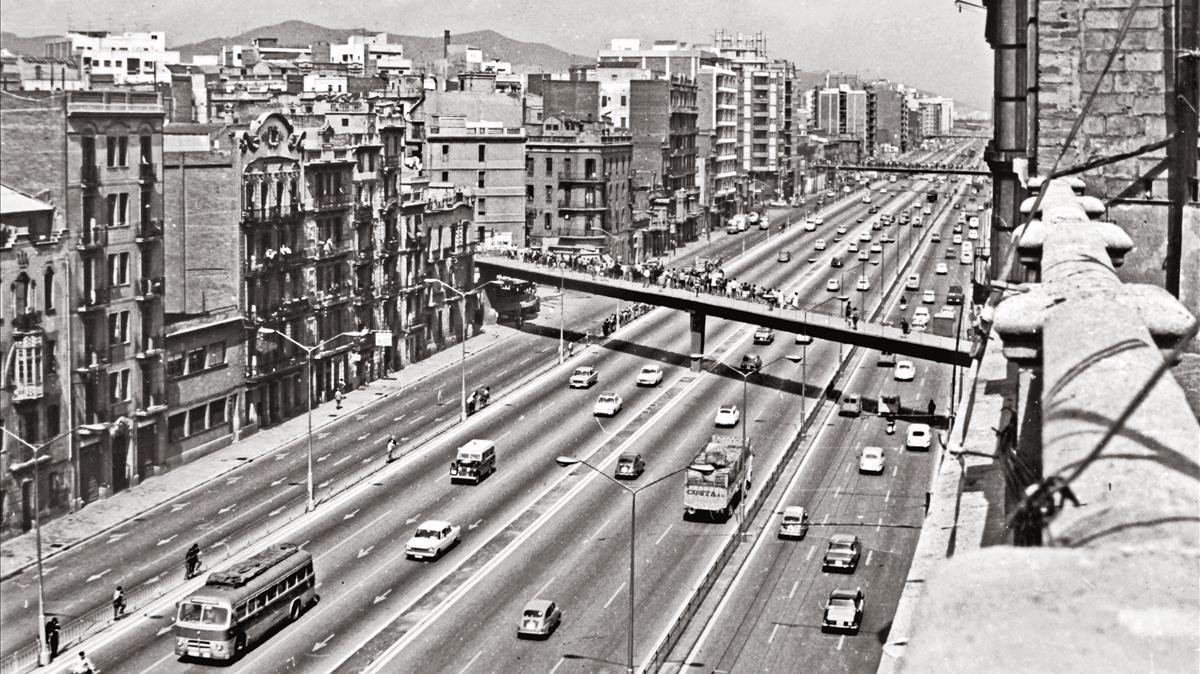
(842, 553)
(851, 405)
(539, 619)
(886, 359)
(887, 238)
(630, 466)
(935, 237)
(858, 220)
(864, 237)
(920, 317)
(607, 405)
(863, 255)
(844, 610)
(804, 339)
(876, 225)
(919, 437)
(946, 312)
(871, 460)
(957, 229)
(941, 269)
(819, 245)
(818, 220)
(784, 256)
(835, 261)
(863, 284)
(752, 217)
(957, 239)
(650, 375)
(928, 297)
(951, 254)
(794, 523)
(833, 285)
(972, 235)
(777, 203)
(432, 539)
(852, 247)
(810, 225)
(928, 210)
(905, 371)
(764, 335)
(841, 230)
(728, 416)
(751, 362)
(913, 282)
(876, 247)
(955, 294)
(584, 377)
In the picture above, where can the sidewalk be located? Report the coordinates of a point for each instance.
(63, 533)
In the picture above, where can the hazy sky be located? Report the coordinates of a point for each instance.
(925, 43)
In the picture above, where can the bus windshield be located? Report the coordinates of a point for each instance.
(203, 614)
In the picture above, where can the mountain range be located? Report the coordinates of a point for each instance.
(524, 56)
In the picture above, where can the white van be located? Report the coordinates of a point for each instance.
(475, 461)
(967, 256)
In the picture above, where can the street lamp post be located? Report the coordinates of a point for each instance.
(462, 314)
(702, 468)
(311, 503)
(43, 645)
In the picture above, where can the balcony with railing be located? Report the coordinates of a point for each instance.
(150, 405)
(364, 255)
(363, 295)
(332, 297)
(94, 298)
(27, 322)
(585, 205)
(327, 202)
(332, 249)
(95, 360)
(363, 213)
(148, 350)
(593, 177)
(92, 239)
(147, 172)
(150, 288)
(89, 176)
(281, 366)
(271, 214)
(149, 231)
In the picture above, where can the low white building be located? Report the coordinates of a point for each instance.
(129, 58)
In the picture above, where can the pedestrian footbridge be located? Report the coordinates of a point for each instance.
(918, 345)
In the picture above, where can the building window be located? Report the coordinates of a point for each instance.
(529, 193)
(118, 269)
(51, 356)
(48, 291)
(118, 150)
(546, 221)
(445, 151)
(118, 384)
(445, 176)
(216, 354)
(549, 194)
(196, 419)
(481, 177)
(195, 360)
(118, 327)
(481, 206)
(176, 426)
(549, 166)
(175, 366)
(216, 412)
(623, 103)
(482, 152)
(529, 166)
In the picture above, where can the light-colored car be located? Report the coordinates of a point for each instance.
(607, 405)
(905, 371)
(842, 553)
(539, 619)
(841, 230)
(886, 359)
(876, 247)
(584, 377)
(871, 460)
(833, 285)
(864, 255)
(804, 339)
(819, 245)
(863, 284)
(764, 335)
(946, 312)
(794, 523)
(920, 317)
(957, 240)
(941, 269)
(818, 220)
(851, 405)
(928, 297)
(630, 466)
(844, 610)
(728, 416)
(935, 237)
(919, 437)
(432, 539)
(972, 235)
(650, 375)
(913, 282)
(864, 237)
(928, 210)
(852, 246)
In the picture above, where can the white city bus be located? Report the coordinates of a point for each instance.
(243, 602)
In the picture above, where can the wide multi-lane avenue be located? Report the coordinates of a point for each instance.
(535, 529)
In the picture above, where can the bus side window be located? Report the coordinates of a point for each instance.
(260, 601)
(270, 594)
(242, 611)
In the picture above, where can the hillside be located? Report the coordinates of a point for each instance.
(29, 46)
(525, 56)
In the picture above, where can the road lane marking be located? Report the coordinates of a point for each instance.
(846, 469)
(351, 515)
(841, 642)
(894, 469)
(361, 437)
(826, 520)
(470, 662)
(322, 458)
(557, 665)
(164, 541)
(227, 508)
(796, 584)
(398, 418)
(888, 496)
(351, 536)
(614, 595)
(176, 507)
(879, 524)
(342, 460)
(664, 534)
(773, 631)
(322, 644)
(810, 553)
(543, 587)
(868, 562)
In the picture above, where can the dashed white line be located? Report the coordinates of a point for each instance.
(888, 496)
(342, 460)
(846, 469)
(810, 553)
(773, 631)
(879, 524)
(868, 562)
(894, 469)
(826, 520)
(361, 437)
(557, 665)
(841, 642)
(796, 584)
(470, 662)
(614, 595)
(664, 535)
(543, 587)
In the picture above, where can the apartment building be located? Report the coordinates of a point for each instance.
(577, 185)
(886, 128)
(128, 58)
(96, 157)
(717, 128)
(842, 111)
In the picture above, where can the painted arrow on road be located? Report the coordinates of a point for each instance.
(226, 509)
(412, 519)
(342, 460)
(164, 630)
(362, 437)
(98, 576)
(363, 552)
(116, 537)
(280, 456)
(276, 511)
(324, 484)
(164, 541)
(321, 644)
(324, 457)
(381, 597)
(176, 507)
(233, 480)
(475, 524)
(280, 481)
(350, 516)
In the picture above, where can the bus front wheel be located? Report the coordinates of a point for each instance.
(294, 615)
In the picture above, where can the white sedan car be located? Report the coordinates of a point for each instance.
(941, 268)
(432, 539)
(833, 285)
(905, 371)
(803, 339)
(876, 248)
(728, 416)
(928, 297)
(852, 247)
(920, 317)
(583, 377)
(863, 285)
(607, 405)
(819, 245)
(651, 375)
(871, 460)
(919, 437)
(864, 237)
(841, 229)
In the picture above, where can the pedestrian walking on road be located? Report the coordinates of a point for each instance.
(83, 665)
(191, 561)
(338, 396)
(932, 408)
(854, 320)
(52, 635)
(391, 448)
(118, 604)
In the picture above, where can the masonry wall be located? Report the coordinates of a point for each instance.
(32, 140)
(1074, 38)
(202, 231)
